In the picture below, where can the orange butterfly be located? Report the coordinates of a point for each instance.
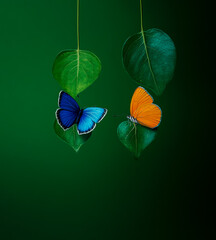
(142, 109)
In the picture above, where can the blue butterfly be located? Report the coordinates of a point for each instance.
(69, 113)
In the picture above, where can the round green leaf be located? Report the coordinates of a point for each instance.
(135, 137)
(71, 136)
(75, 70)
(149, 57)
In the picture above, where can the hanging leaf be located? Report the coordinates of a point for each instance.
(71, 136)
(135, 137)
(149, 57)
(75, 70)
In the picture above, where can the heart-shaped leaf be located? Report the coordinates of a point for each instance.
(75, 70)
(71, 136)
(135, 137)
(149, 57)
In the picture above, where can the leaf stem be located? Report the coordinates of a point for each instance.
(136, 138)
(141, 15)
(78, 25)
(78, 39)
(145, 45)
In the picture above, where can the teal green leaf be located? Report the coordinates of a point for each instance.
(71, 136)
(135, 137)
(75, 70)
(149, 57)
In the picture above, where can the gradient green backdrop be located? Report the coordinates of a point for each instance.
(50, 192)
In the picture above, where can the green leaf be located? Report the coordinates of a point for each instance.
(135, 137)
(75, 70)
(71, 136)
(149, 57)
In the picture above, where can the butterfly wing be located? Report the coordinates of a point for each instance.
(89, 118)
(67, 102)
(85, 125)
(148, 115)
(67, 115)
(140, 97)
(95, 113)
(66, 118)
(143, 110)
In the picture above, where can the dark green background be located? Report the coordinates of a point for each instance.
(50, 192)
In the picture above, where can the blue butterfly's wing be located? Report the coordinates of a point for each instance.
(67, 102)
(66, 118)
(89, 118)
(85, 125)
(95, 113)
(67, 115)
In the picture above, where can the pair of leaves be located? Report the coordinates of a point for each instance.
(75, 70)
(149, 57)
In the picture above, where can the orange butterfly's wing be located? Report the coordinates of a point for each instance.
(140, 98)
(143, 110)
(148, 115)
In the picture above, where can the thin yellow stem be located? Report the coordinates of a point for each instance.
(141, 15)
(78, 24)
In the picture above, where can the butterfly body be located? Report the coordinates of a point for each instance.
(143, 111)
(69, 113)
(132, 119)
(79, 115)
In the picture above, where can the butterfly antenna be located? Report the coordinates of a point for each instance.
(119, 115)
